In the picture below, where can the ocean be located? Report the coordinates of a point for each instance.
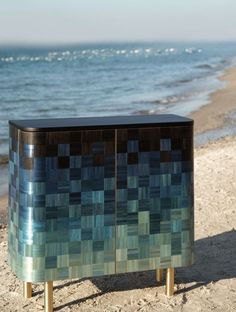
(107, 79)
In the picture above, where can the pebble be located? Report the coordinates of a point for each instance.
(40, 306)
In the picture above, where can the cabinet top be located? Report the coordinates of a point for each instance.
(83, 123)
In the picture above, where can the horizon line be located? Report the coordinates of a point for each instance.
(125, 41)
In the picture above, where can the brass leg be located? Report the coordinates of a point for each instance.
(159, 275)
(48, 297)
(27, 290)
(170, 279)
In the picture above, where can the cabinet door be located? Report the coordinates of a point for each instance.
(154, 198)
(62, 204)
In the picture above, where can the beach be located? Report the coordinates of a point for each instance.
(222, 102)
(207, 285)
(3, 209)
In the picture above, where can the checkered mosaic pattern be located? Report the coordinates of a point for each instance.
(154, 198)
(98, 202)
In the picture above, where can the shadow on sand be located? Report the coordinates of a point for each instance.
(215, 259)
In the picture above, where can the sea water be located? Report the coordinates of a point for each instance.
(106, 79)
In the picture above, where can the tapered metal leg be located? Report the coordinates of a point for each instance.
(27, 290)
(170, 280)
(48, 297)
(159, 275)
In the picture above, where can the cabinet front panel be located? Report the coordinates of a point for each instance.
(97, 202)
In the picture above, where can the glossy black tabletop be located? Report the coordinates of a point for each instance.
(61, 124)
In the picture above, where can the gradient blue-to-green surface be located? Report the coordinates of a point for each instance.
(97, 202)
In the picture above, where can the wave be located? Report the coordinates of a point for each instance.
(170, 84)
(43, 110)
(214, 66)
(171, 99)
(148, 111)
(167, 100)
(205, 66)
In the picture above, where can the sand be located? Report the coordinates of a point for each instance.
(210, 284)
(222, 103)
(3, 209)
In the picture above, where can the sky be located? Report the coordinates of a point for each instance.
(79, 21)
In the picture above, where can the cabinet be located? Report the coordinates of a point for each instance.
(99, 196)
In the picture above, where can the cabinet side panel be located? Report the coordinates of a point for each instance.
(13, 194)
(154, 198)
(63, 213)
